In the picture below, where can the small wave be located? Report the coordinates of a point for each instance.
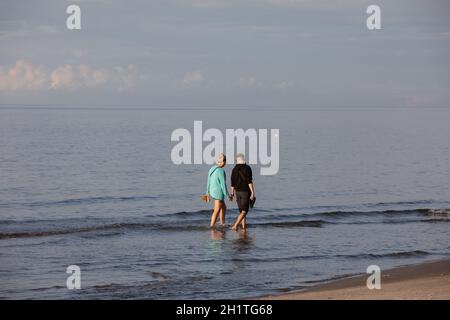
(338, 214)
(76, 201)
(337, 277)
(439, 212)
(187, 213)
(46, 233)
(195, 221)
(153, 285)
(158, 275)
(292, 224)
(277, 213)
(155, 226)
(48, 288)
(324, 216)
(399, 254)
(405, 203)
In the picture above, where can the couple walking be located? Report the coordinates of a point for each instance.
(241, 188)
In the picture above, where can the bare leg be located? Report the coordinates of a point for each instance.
(244, 223)
(240, 218)
(215, 213)
(223, 212)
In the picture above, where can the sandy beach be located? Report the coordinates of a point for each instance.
(427, 281)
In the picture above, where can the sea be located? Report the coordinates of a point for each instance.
(95, 187)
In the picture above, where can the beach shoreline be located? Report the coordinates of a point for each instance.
(424, 281)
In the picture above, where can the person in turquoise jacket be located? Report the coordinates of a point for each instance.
(216, 188)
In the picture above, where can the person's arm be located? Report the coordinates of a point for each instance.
(252, 190)
(233, 178)
(223, 184)
(232, 194)
(208, 183)
(250, 183)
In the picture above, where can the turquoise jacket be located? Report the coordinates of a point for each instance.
(217, 183)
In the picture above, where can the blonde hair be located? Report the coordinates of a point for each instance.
(221, 159)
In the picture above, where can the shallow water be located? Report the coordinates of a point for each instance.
(97, 188)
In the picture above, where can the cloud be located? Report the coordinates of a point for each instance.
(23, 76)
(26, 76)
(62, 77)
(193, 77)
(123, 77)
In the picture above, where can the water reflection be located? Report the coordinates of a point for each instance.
(244, 241)
(217, 234)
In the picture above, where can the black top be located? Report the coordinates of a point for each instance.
(241, 176)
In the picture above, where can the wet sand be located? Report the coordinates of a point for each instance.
(427, 281)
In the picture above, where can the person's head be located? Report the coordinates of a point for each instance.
(221, 160)
(240, 158)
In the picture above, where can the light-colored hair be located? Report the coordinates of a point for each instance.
(240, 158)
(221, 159)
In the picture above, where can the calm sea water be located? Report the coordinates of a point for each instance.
(96, 188)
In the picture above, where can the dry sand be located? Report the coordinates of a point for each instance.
(424, 281)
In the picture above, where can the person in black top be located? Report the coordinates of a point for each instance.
(242, 188)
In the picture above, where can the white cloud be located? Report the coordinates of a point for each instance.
(23, 75)
(123, 77)
(26, 76)
(193, 77)
(61, 77)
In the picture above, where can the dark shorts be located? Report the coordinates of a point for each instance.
(243, 200)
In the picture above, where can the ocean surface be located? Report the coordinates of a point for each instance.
(96, 187)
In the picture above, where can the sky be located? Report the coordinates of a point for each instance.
(207, 53)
